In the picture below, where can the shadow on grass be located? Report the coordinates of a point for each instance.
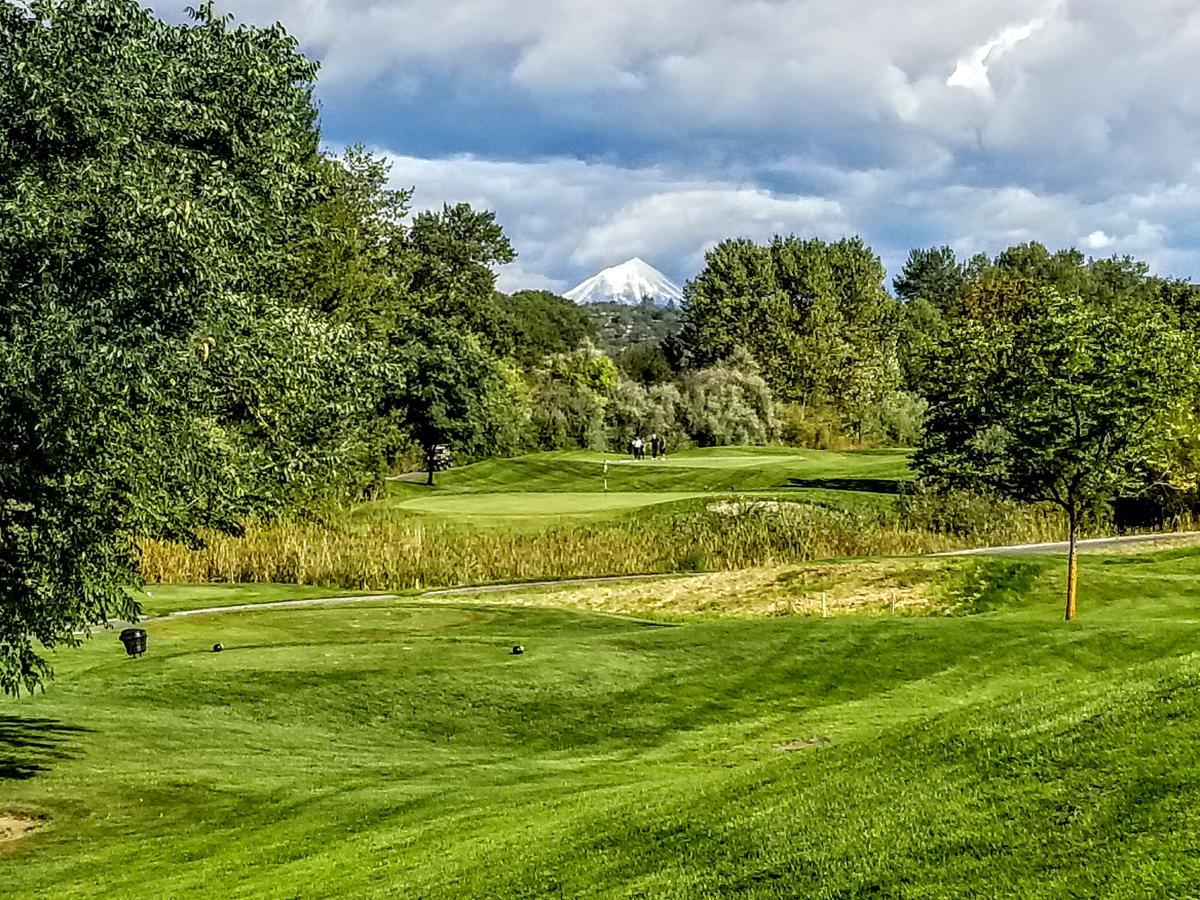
(28, 746)
(868, 485)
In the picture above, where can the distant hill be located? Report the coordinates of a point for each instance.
(628, 284)
(619, 325)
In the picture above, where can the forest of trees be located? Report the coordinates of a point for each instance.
(205, 317)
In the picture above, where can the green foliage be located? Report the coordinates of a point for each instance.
(728, 403)
(455, 392)
(984, 518)
(920, 327)
(569, 398)
(152, 180)
(898, 419)
(1032, 263)
(817, 427)
(1067, 402)
(295, 397)
(451, 254)
(635, 410)
(813, 315)
(585, 367)
(933, 276)
(351, 255)
(620, 326)
(1070, 405)
(646, 364)
(538, 324)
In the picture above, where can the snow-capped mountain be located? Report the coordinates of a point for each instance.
(627, 283)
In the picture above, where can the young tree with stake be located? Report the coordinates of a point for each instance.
(1060, 402)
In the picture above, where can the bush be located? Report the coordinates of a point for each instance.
(636, 410)
(818, 428)
(569, 397)
(897, 421)
(978, 517)
(729, 403)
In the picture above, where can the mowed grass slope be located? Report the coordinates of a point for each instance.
(714, 469)
(397, 749)
(718, 468)
(575, 484)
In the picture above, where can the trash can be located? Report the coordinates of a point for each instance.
(134, 640)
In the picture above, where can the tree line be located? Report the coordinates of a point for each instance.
(204, 318)
(1035, 375)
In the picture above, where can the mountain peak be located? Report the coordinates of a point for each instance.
(627, 283)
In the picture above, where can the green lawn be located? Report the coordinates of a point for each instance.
(573, 484)
(397, 749)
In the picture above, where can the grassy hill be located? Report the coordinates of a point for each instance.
(713, 469)
(577, 483)
(397, 748)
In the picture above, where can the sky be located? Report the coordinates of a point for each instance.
(608, 129)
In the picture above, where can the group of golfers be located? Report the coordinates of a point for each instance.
(656, 445)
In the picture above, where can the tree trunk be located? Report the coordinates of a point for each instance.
(1072, 564)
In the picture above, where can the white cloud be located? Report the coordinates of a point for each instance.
(568, 218)
(682, 223)
(972, 71)
(977, 122)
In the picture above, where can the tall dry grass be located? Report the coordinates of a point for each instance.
(396, 553)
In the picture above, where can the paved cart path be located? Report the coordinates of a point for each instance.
(1091, 544)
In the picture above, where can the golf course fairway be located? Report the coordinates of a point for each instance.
(398, 748)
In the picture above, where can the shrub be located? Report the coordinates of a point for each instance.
(637, 410)
(897, 420)
(729, 403)
(569, 396)
(815, 428)
(979, 517)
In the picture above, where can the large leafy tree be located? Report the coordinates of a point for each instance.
(814, 316)
(934, 275)
(539, 323)
(456, 393)
(452, 253)
(1060, 401)
(150, 177)
(421, 296)
(350, 254)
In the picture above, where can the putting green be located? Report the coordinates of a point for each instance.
(717, 459)
(723, 469)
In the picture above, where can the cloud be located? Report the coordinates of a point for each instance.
(1097, 240)
(1050, 84)
(568, 218)
(972, 71)
(682, 223)
(659, 127)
